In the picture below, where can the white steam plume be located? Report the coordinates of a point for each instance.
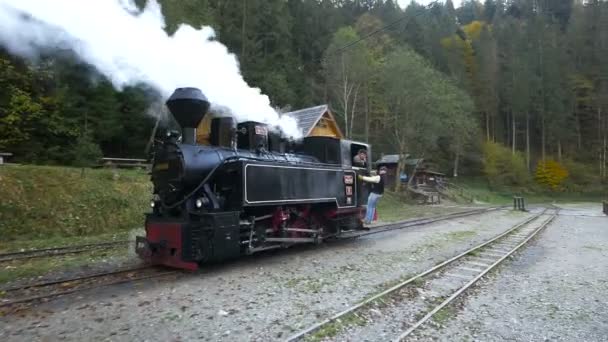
(130, 47)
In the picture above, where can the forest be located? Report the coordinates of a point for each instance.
(516, 90)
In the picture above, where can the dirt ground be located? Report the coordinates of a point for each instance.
(268, 297)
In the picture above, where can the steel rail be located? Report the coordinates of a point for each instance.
(57, 251)
(474, 280)
(416, 222)
(64, 250)
(298, 336)
(68, 250)
(85, 288)
(67, 280)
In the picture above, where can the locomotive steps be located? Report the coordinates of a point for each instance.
(395, 314)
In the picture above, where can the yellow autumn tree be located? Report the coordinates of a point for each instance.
(463, 45)
(551, 174)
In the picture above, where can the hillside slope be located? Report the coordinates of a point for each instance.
(45, 201)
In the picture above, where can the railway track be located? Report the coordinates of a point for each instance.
(24, 295)
(58, 251)
(13, 297)
(66, 250)
(417, 222)
(396, 313)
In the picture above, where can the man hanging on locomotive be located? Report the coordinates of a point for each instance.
(377, 190)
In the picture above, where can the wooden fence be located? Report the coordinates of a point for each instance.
(127, 163)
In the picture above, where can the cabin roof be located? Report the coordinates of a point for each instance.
(390, 159)
(394, 159)
(307, 118)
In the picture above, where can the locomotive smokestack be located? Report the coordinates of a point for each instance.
(188, 106)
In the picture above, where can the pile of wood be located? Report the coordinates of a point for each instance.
(427, 195)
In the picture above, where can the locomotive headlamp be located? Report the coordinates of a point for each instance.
(152, 204)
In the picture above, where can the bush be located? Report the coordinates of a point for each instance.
(550, 174)
(502, 167)
(85, 152)
(581, 176)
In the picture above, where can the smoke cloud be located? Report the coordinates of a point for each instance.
(130, 46)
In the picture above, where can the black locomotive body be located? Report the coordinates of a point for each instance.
(249, 191)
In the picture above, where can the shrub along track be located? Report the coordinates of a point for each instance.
(18, 297)
(396, 313)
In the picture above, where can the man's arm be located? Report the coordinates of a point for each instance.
(372, 179)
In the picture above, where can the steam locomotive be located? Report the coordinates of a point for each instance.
(249, 190)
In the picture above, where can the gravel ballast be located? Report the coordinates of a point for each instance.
(555, 289)
(260, 298)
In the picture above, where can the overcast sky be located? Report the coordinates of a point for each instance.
(404, 3)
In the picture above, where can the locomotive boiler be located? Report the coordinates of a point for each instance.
(248, 190)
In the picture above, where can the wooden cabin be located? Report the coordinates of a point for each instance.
(313, 122)
(317, 122)
(424, 174)
(428, 178)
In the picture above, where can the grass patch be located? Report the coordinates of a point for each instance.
(480, 190)
(461, 235)
(307, 284)
(444, 315)
(59, 241)
(334, 328)
(45, 202)
(418, 282)
(474, 253)
(36, 267)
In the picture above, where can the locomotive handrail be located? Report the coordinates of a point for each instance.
(198, 187)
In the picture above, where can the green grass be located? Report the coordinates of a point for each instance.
(59, 241)
(474, 253)
(332, 329)
(461, 235)
(36, 267)
(444, 315)
(50, 204)
(306, 284)
(480, 190)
